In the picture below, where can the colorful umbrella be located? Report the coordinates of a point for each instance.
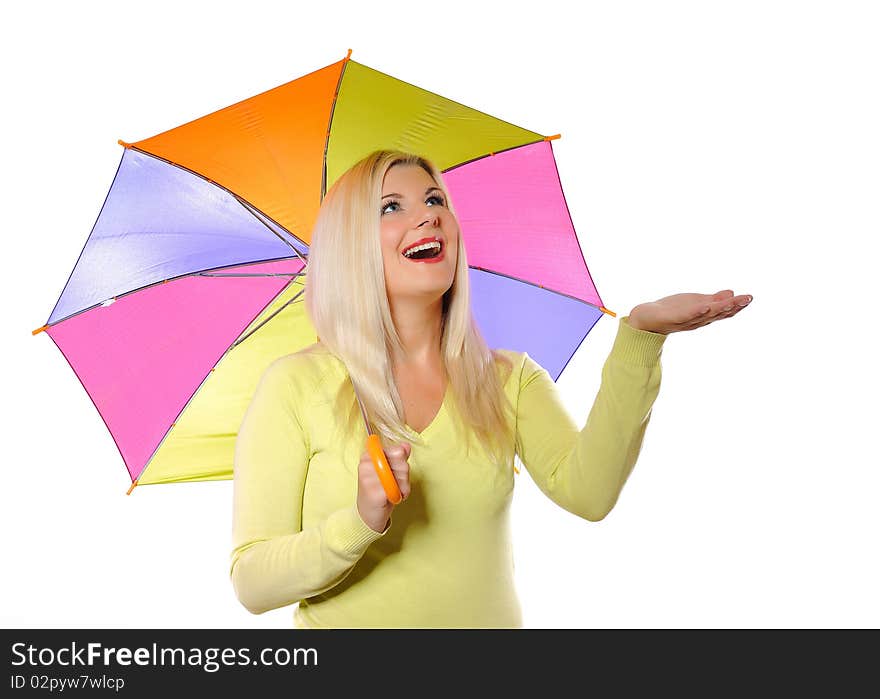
(190, 282)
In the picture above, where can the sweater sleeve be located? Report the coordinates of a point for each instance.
(274, 561)
(585, 470)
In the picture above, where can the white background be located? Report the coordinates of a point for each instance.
(705, 145)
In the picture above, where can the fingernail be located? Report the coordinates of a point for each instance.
(727, 308)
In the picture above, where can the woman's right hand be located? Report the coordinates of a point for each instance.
(373, 505)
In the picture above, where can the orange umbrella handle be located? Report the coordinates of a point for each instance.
(386, 476)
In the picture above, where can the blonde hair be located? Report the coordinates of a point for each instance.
(347, 302)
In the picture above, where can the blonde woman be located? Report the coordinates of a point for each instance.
(312, 524)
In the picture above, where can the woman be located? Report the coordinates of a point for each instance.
(312, 523)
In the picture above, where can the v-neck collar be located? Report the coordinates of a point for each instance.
(431, 426)
(437, 417)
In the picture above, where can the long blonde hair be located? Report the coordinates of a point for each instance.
(347, 302)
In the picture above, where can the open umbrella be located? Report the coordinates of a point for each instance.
(190, 282)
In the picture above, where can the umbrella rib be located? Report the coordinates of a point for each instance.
(541, 286)
(241, 200)
(86, 244)
(252, 211)
(242, 339)
(492, 153)
(294, 275)
(568, 361)
(570, 220)
(330, 126)
(97, 409)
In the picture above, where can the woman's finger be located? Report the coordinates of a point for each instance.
(722, 312)
(732, 308)
(725, 307)
(397, 460)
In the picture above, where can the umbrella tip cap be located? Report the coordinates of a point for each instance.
(123, 143)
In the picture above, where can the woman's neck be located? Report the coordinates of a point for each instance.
(419, 329)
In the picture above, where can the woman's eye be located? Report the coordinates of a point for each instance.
(394, 203)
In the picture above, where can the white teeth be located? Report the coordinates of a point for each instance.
(423, 246)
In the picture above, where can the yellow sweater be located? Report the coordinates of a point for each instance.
(446, 559)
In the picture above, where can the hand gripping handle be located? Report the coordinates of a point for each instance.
(380, 462)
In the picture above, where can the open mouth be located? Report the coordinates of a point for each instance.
(429, 249)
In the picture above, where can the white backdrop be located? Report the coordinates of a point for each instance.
(704, 146)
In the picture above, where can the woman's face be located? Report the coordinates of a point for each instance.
(413, 209)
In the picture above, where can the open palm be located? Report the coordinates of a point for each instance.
(686, 311)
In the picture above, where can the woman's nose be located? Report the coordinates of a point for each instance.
(430, 217)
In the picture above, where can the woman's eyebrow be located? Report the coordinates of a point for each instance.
(429, 189)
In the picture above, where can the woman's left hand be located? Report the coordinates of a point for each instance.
(686, 311)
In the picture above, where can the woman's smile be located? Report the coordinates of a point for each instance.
(425, 250)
